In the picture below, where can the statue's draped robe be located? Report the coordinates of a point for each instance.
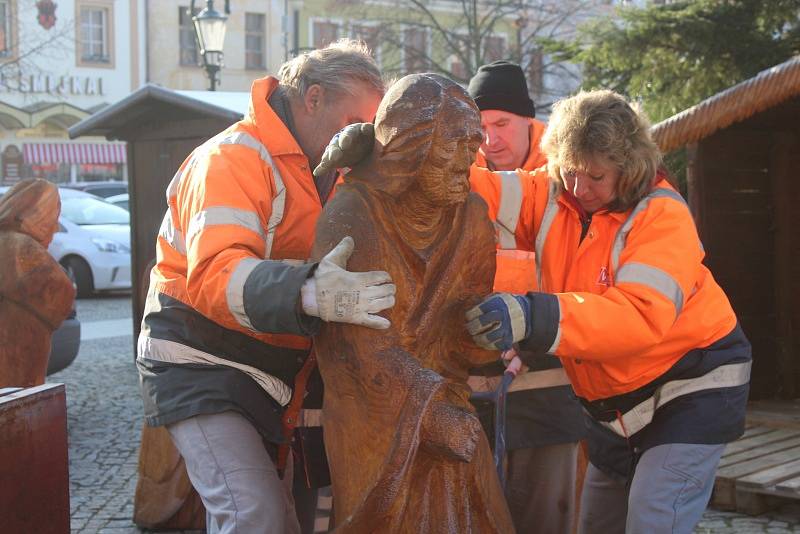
(36, 295)
(379, 384)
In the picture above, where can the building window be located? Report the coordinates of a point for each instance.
(369, 33)
(415, 50)
(536, 73)
(94, 34)
(6, 45)
(254, 38)
(494, 49)
(186, 39)
(324, 33)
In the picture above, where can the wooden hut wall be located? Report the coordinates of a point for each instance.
(743, 188)
(156, 151)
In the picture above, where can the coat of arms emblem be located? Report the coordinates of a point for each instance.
(47, 13)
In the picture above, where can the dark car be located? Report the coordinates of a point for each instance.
(64, 344)
(101, 189)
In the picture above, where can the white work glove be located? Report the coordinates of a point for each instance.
(335, 294)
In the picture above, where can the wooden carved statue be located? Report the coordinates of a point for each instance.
(406, 452)
(36, 295)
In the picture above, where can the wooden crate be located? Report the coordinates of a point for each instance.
(759, 471)
(34, 471)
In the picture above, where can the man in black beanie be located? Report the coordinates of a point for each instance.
(511, 134)
(544, 420)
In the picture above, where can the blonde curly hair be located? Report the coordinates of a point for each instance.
(603, 123)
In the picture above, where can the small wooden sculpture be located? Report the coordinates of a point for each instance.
(36, 295)
(406, 452)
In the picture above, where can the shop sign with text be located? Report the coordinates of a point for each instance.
(52, 84)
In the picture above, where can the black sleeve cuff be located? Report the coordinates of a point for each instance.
(272, 298)
(545, 317)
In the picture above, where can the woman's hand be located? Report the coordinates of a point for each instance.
(499, 321)
(512, 361)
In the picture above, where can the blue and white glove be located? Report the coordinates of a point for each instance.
(499, 321)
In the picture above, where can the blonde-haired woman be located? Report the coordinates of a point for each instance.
(649, 340)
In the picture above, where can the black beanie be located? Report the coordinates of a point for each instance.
(501, 85)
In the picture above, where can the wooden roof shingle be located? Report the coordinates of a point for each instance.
(768, 88)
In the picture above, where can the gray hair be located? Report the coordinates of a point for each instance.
(334, 67)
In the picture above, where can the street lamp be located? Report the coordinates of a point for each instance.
(209, 29)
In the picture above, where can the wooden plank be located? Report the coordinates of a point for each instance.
(771, 476)
(775, 413)
(785, 441)
(750, 439)
(790, 485)
(762, 450)
(34, 476)
(759, 464)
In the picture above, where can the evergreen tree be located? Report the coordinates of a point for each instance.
(672, 56)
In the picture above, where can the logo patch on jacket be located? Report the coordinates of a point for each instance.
(604, 278)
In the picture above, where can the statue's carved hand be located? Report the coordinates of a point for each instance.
(347, 148)
(450, 431)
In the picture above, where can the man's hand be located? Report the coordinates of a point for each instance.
(335, 294)
(347, 148)
(499, 321)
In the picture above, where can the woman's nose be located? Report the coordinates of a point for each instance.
(580, 187)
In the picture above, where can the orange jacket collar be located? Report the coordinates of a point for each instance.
(272, 132)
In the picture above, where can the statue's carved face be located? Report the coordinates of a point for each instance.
(444, 177)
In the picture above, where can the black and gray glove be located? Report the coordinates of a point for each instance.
(347, 148)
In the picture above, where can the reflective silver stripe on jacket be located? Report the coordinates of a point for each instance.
(234, 292)
(508, 211)
(622, 234)
(172, 235)
(550, 212)
(554, 347)
(149, 348)
(224, 215)
(278, 201)
(724, 376)
(654, 278)
(548, 378)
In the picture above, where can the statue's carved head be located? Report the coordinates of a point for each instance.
(31, 207)
(427, 131)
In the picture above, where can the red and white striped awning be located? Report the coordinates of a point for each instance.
(35, 153)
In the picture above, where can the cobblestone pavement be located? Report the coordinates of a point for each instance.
(104, 419)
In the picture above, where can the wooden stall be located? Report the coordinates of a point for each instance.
(743, 148)
(161, 127)
(34, 472)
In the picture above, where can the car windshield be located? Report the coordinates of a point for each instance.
(87, 210)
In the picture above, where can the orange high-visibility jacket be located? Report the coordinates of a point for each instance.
(245, 196)
(509, 198)
(630, 299)
(535, 157)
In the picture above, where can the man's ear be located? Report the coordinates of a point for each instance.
(312, 101)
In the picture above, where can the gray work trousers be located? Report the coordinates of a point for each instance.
(235, 476)
(669, 492)
(541, 488)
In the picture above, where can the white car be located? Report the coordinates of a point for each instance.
(119, 200)
(93, 242)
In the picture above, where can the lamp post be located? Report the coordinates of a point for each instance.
(209, 29)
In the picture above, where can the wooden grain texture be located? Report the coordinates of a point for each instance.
(34, 472)
(406, 451)
(35, 293)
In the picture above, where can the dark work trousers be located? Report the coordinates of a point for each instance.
(541, 488)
